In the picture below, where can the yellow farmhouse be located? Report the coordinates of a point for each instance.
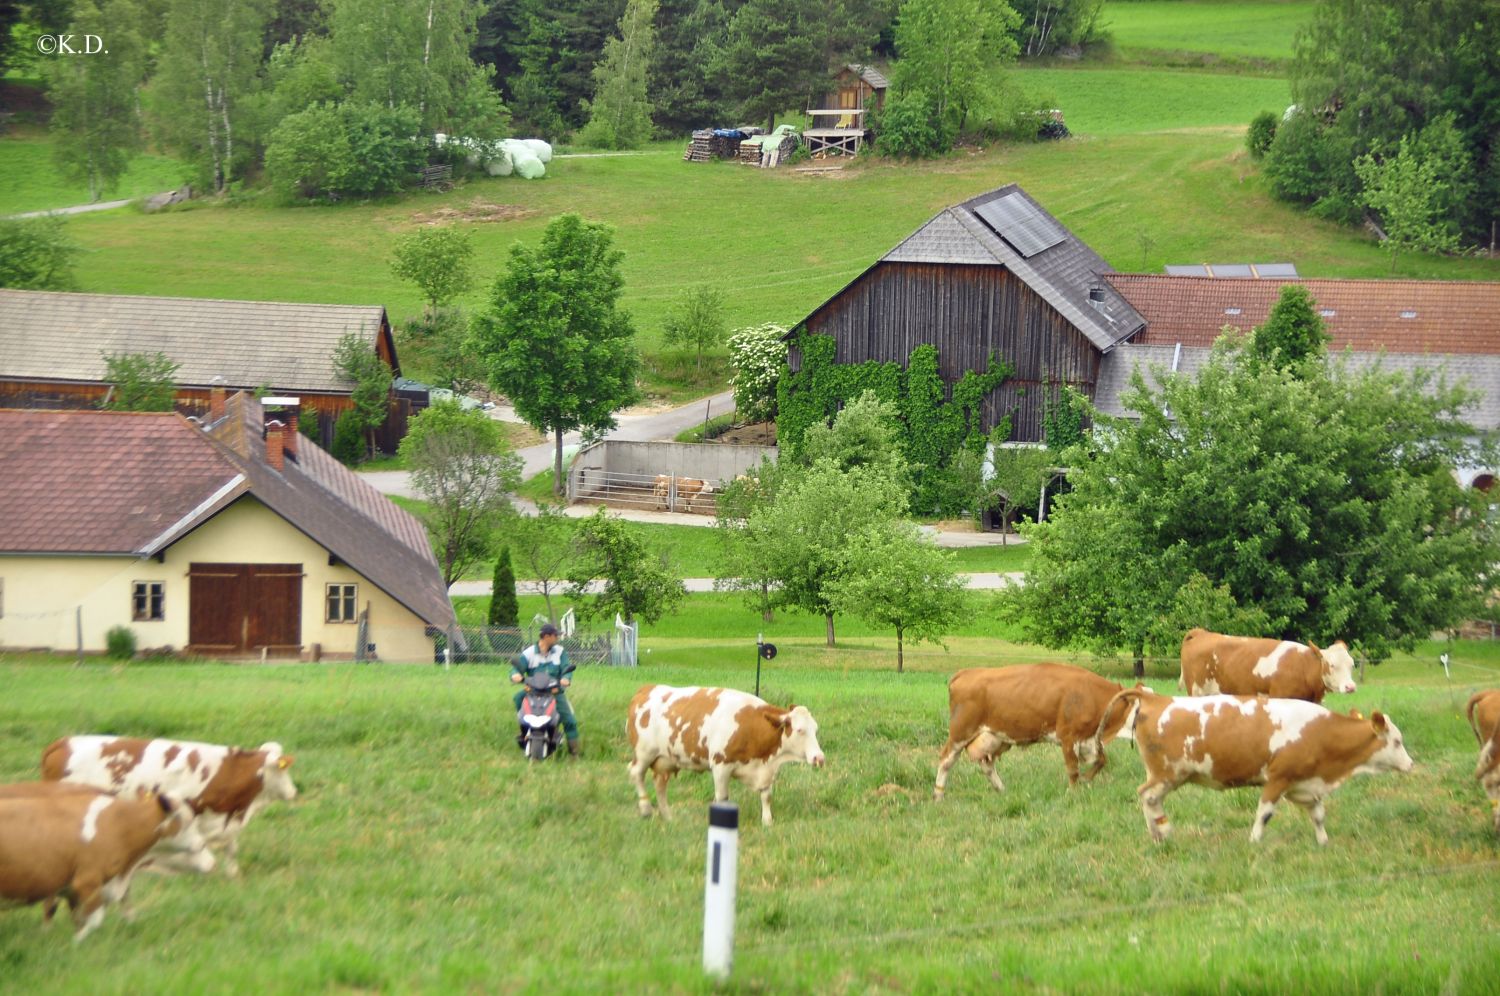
(229, 536)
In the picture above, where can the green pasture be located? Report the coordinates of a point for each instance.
(776, 242)
(30, 180)
(1111, 101)
(1205, 31)
(423, 854)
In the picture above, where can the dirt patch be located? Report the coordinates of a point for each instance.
(478, 211)
(954, 525)
(750, 434)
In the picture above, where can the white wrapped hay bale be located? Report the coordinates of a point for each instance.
(538, 148)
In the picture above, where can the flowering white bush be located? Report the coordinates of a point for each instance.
(758, 356)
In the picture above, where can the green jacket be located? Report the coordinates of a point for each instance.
(531, 660)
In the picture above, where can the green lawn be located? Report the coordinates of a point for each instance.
(424, 855)
(1206, 31)
(30, 180)
(1129, 101)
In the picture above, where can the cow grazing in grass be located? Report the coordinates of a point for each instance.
(992, 709)
(225, 785)
(1484, 719)
(84, 846)
(1292, 748)
(728, 733)
(1214, 664)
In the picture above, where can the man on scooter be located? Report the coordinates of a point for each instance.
(549, 657)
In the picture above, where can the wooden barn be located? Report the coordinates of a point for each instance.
(53, 345)
(995, 274)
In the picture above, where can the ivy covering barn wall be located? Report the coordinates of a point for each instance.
(938, 425)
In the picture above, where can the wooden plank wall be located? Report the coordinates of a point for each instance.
(967, 312)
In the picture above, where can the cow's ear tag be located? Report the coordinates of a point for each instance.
(1495, 805)
(284, 763)
(1356, 714)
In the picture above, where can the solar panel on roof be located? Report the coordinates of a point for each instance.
(1020, 223)
(1276, 269)
(1186, 270)
(1238, 270)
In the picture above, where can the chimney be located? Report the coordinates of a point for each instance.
(215, 399)
(290, 443)
(274, 442)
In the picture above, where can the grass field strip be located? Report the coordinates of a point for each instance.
(1148, 905)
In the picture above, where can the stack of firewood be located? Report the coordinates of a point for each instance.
(701, 148)
(750, 153)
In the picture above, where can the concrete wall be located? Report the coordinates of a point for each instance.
(642, 461)
(41, 594)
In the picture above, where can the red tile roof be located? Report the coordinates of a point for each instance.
(1399, 316)
(100, 482)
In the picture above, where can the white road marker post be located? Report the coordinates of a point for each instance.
(719, 888)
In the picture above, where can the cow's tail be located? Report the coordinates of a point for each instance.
(55, 760)
(1474, 701)
(1124, 699)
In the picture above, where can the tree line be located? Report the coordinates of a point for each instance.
(342, 98)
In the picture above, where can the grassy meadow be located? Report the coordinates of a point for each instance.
(423, 854)
(1119, 101)
(30, 180)
(1206, 32)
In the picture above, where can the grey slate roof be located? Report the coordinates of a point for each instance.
(1480, 373)
(49, 335)
(870, 75)
(1063, 275)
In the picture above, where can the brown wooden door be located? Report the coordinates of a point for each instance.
(238, 608)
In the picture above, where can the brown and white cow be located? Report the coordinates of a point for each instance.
(1215, 664)
(85, 846)
(225, 785)
(689, 490)
(729, 733)
(1484, 719)
(992, 709)
(1292, 748)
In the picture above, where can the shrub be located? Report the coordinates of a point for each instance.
(36, 254)
(1262, 133)
(119, 643)
(348, 440)
(909, 128)
(346, 150)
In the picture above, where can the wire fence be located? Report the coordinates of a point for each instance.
(500, 645)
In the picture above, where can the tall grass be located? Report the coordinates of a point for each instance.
(31, 181)
(424, 854)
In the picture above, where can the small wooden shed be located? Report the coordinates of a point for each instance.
(839, 126)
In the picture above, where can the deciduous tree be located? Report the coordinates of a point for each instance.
(1314, 504)
(1408, 193)
(637, 580)
(554, 338)
(209, 64)
(1292, 333)
(95, 124)
(36, 254)
(544, 545)
(954, 52)
(696, 321)
(139, 382)
(438, 260)
(355, 360)
(464, 469)
(620, 112)
(892, 576)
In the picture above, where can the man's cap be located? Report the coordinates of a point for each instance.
(547, 630)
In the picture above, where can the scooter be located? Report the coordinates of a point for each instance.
(541, 726)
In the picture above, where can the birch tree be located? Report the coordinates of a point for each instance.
(210, 62)
(620, 113)
(96, 125)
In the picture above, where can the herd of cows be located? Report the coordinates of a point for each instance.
(107, 806)
(1253, 716)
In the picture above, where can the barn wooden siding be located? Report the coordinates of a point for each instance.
(967, 312)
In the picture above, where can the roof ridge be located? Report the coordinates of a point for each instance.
(174, 297)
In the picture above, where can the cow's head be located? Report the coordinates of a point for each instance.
(1338, 668)
(275, 772)
(179, 838)
(799, 736)
(1391, 755)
